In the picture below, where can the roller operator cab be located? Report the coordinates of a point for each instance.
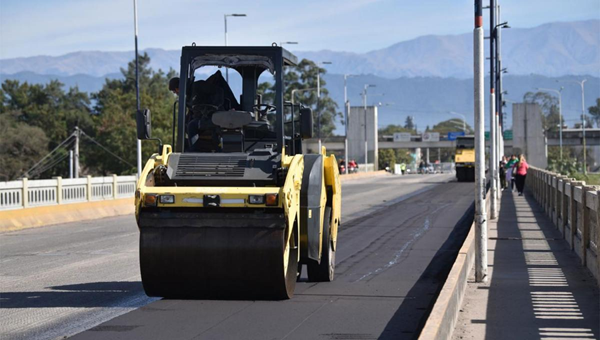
(234, 209)
(465, 159)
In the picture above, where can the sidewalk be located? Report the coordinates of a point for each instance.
(537, 287)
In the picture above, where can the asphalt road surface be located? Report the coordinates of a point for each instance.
(395, 245)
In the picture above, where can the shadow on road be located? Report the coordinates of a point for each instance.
(81, 295)
(410, 318)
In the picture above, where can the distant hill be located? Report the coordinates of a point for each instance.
(553, 49)
(428, 99)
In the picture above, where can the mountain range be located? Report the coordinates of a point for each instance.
(553, 49)
(425, 77)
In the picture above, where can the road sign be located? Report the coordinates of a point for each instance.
(508, 135)
(402, 137)
(431, 137)
(453, 135)
(487, 135)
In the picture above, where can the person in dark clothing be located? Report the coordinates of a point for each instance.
(503, 173)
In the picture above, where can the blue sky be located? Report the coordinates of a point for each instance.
(55, 27)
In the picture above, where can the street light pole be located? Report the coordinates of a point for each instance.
(137, 94)
(560, 137)
(225, 19)
(493, 161)
(481, 262)
(583, 126)
(366, 140)
(582, 120)
(346, 114)
(319, 99)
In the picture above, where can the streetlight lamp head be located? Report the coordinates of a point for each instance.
(326, 63)
(238, 15)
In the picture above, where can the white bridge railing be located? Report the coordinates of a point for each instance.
(35, 193)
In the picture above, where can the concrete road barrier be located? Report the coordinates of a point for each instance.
(11, 220)
(359, 175)
(442, 319)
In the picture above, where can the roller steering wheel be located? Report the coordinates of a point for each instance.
(264, 109)
(204, 109)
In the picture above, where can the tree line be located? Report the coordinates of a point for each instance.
(36, 118)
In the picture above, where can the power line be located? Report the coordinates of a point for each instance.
(105, 149)
(45, 157)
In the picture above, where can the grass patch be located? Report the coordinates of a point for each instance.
(590, 179)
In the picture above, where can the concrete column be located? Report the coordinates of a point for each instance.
(25, 194)
(59, 190)
(114, 187)
(89, 188)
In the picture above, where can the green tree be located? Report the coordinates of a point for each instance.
(115, 126)
(550, 110)
(595, 112)
(48, 107)
(409, 123)
(387, 157)
(304, 76)
(403, 156)
(21, 146)
(451, 125)
(391, 129)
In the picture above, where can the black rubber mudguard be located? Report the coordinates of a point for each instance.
(310, 206)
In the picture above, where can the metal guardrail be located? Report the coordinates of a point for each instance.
(574, 207)
(45, 192)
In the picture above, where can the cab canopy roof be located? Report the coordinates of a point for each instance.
(267, 58)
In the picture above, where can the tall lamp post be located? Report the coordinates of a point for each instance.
(346, 113)
(481, 263)
(319, 99)
(560, 119)
(582, 121)
(225, 19)
(365, 108)
(137, 89)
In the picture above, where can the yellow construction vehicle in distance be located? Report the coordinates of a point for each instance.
(233, 208)
(464, 159)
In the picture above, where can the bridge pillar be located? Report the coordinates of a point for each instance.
(427, 155)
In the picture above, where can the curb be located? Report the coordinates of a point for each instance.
(349, 177)
(442, 319)
(12, 220)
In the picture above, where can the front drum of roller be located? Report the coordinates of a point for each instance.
(222, 262)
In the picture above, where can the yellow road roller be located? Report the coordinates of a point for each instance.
(233, 208)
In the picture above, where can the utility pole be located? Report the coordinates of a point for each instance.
(76, 168)
(583, 125)
(319, 99)
(137, 97)
(493, 161)
(366, 140)
(480, 213)
(70, 163)
(346, 114)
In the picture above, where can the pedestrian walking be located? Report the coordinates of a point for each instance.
(503, 172)
(510, 179)
(520, 169)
